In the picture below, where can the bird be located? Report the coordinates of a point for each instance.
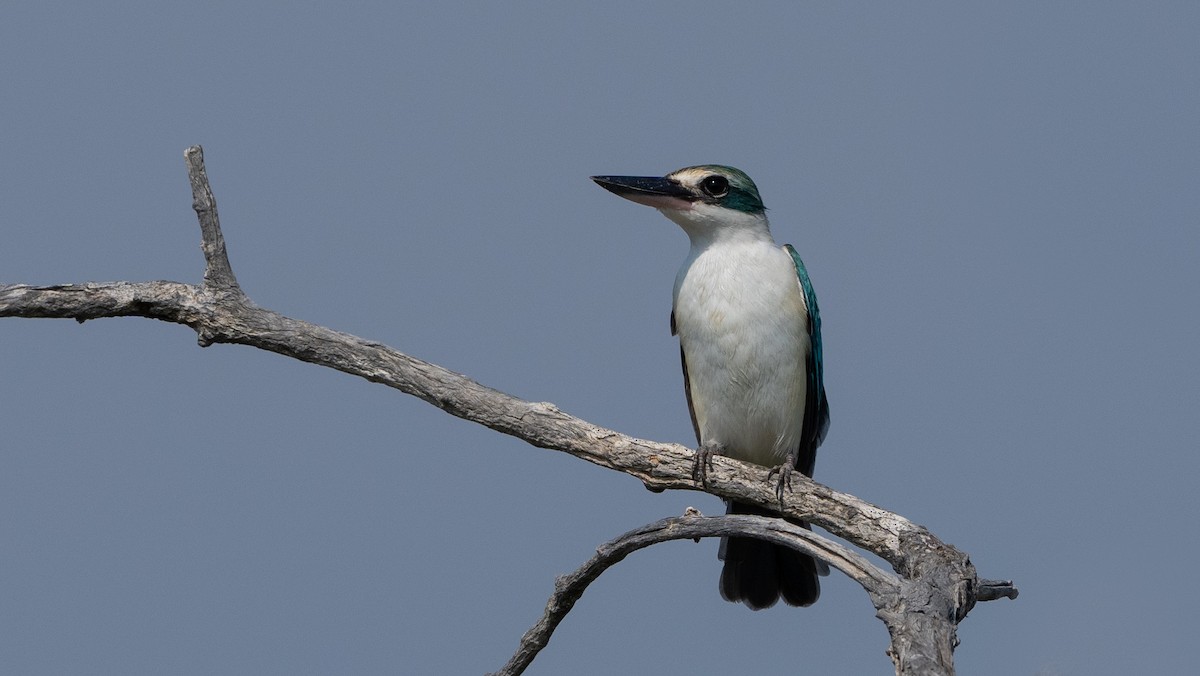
(749, 333)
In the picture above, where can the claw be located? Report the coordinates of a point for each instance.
(785, 479)
(703, 462)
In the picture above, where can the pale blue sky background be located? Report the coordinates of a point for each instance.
(998, 204)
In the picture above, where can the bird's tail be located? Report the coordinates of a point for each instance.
(757, 572)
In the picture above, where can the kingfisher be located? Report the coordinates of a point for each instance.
(750, 342)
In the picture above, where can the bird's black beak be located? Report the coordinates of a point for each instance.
(653, 191)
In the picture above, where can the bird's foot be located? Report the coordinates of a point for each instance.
(703, 462)
(785, 479)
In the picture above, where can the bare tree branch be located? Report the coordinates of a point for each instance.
(218, 273)
(883, 587)
(938, 583)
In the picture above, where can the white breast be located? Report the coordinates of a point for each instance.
(743, 325)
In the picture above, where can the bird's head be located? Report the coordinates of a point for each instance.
(706, 201)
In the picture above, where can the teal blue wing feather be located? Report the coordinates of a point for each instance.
(816, 407)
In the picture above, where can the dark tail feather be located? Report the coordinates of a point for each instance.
(757, 572)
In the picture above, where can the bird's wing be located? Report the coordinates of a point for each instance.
(687, 383)
(816, 407)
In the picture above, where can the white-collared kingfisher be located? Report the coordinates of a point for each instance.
(750, 339)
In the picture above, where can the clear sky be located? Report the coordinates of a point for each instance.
(997, 203)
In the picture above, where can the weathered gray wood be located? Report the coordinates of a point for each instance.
(883, 587)
(218, 273)
(937, 583)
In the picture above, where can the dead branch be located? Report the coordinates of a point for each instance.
(937, 583)
(883, 587)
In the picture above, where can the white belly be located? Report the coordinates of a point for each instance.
(743, 326)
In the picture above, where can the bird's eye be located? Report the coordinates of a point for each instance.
(715, 186)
